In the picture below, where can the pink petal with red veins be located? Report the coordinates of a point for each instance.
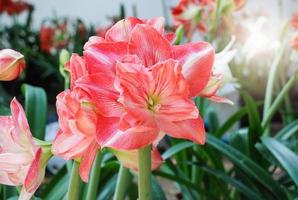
(197, 61)
(107, 127)
(86, 119)
(132, 138)
(168, 80)
(77, 68)
(149, 45)
(170, 37)
(129, 158)
(157, 23)
(35, 173)
(133, 84)
(21, 134)
(121, 31)
(69, 145)
(87, 161)
(103, 56)
(176, 108)
(100, 87)
(191, 129)
(93, 41)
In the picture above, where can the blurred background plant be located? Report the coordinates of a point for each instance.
(251, 150)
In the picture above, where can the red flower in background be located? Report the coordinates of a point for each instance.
(193, 15)
(238, 4)
(53, 36)
(46, 38)
(294, 43)
(294, 21)
(13, 7)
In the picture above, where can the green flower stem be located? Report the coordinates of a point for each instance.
(271, 82)
(74, 182)
(122, 183)
(201, 104)
(94, 177)
(144, 157)
(279, 99)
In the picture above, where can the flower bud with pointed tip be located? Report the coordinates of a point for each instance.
(12, 64)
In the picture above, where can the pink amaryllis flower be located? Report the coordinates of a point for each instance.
(12, 64)
(81, 123)
(22, 161)
(120, 66)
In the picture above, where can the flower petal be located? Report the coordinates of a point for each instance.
(35, 173)
(70, 146)
(100, 87)
(77, 68)
(87, 161)
(191, 129)
(197, 61)
(103, 56)
(121, 31)
(21, 134)
(132, 138)
(149, 45)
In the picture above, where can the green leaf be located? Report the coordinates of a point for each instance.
(179, 35)
(59, 190)
(239, 140)
(176, 149)
(213, 122)
(287, 158)
(255, 128)
(247, 165)
(231, 121)
(36, 109)
(157, 191)
(250, 194)
(108, 190)
(277, 102)
(287, 131)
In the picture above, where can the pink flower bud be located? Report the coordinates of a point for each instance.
(12, 64)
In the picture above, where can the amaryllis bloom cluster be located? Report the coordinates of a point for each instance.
(128, 90)
(53, 36)
(12, 64)
(195, 15)
(22, 161)
(12, 7)
(80, 122)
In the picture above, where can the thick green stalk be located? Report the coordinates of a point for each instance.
(122, 183)
(94, 177)
(144, 157)
(74, 182)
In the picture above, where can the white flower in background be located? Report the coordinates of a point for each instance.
(222, 60)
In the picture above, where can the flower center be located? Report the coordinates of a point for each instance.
(153, 104)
